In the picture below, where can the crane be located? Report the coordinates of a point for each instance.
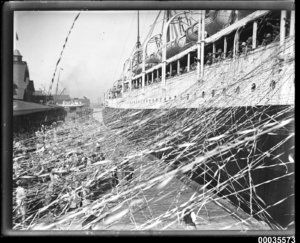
(57, 82)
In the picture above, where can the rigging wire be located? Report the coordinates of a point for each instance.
(123, 49)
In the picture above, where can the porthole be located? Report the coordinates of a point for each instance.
(175, 97)
(237, 90)
(273, 84)
(253, 87)
(213, 93)
(187, 96)
(203, 94)
(224, 91)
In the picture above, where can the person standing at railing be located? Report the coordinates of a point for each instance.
(219, 55)
(168, 75)
(267, 39)
(209, 58)
(230, 54)
(249, 44)
(243, 48)
(193, 66)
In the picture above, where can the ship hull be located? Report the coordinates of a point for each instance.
(257, 169)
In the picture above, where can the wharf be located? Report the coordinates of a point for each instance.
(153, 200)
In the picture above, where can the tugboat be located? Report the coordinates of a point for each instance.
(216, 98)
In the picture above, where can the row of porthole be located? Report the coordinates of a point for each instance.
(253, 87)
(237, 90)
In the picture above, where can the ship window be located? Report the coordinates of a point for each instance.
(203, 94)
(170, 98)
(224, 91)
(187, 96)
(237, 90)
(273, 84)
(213, 93)
(175, 97)
(253, 87)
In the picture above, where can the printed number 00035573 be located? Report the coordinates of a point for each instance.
(276, 239)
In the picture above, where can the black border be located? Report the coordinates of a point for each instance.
(8, 9)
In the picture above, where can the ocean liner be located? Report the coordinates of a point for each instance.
(214, 97)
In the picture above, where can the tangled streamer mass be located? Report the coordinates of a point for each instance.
(214, 167)
(234, 167)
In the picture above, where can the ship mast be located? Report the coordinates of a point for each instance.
(138, 43)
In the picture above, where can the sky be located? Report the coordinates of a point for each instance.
(93, 58)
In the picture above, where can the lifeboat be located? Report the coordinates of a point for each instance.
(176, 46)
(153, 58)
(215, 21)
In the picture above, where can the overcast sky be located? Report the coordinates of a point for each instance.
(93, 59)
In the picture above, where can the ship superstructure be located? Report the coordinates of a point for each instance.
(228, 55)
